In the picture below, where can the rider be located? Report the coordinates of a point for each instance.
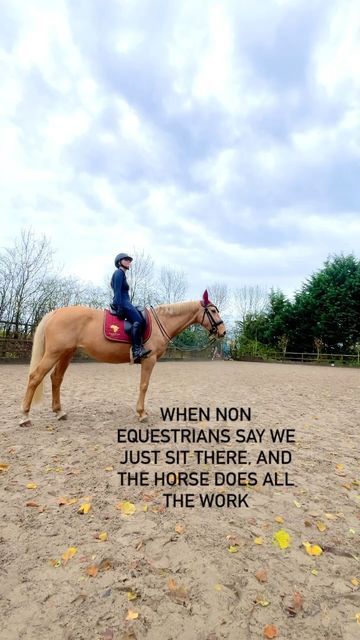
(123, 307)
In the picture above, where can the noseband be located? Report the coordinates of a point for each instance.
(213, 323)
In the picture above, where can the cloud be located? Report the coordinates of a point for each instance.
(220, 138)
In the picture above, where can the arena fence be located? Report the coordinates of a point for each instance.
(338, 359)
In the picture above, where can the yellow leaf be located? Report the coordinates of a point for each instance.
(69, 553)
(145, 508)
(312, 549)
(279, 519)
(31, 485)
(297, 504)
(109, 468)
(352, 531)
(233, 548)
(3, 467)
(84, 508)
(258, 540)
(355, 582)
(331, 516)
(321, 526)
(262, 602)
(92, 571)
(132, 595)
(314, 572)
(103, 536)
(357, 617)
(340, 467)
(218, 587)
(282, 539)
(132, 615)
(127, 508)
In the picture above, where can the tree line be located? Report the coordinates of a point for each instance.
(323, 316)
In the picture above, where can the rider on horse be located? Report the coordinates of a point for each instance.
(123, 307)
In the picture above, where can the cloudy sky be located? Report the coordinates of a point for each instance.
(222, 137)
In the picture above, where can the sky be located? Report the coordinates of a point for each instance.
(220, 138)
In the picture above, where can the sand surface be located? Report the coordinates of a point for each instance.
(190, 573)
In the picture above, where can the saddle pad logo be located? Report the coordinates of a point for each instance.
(114, 328)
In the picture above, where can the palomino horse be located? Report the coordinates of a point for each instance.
(60, 332)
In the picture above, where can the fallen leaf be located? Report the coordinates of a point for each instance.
(331, 516)
(233, 548)
(270, 631)
(92, 571)
(258, 540)
(321, 526)
(177, 592)
(69, 553)
(102, 536)
(180, 528)
(296, 604)
(30, 503)
(261, 575)
(127, 508)
(357, 617)
(262, 602)
(31, 485)
(282, 538)
(55, 563)
(105, 565)
(3, 467)
(66, 501)
(132, 615)
(279, 519)
(84, 508)
(355, 582)
(218, 587)
(314, 572)
(298, 505)
(312, 549)
(109, 468)
(132, 595)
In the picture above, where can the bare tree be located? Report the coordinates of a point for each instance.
(24, 268)
(219, 295)
(141, 278)
(171, 286)
(250, 301)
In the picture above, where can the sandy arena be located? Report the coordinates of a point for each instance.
(181, 573)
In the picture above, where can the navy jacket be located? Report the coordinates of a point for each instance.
(120, 287)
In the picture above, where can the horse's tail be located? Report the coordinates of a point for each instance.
(38, 350)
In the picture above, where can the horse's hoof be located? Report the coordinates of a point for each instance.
(143, 417)
(62, 415)
(26, 422)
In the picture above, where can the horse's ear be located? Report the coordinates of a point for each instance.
(205, 298)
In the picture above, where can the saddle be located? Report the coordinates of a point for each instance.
(116, 328)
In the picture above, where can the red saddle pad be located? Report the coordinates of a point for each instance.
(114, 328)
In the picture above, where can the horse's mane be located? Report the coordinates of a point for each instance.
(177, 308)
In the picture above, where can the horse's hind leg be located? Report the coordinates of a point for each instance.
(35, 377)
(56, 380)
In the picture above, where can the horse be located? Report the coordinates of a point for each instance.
(63, 330)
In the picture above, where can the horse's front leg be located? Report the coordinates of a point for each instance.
(147, 366)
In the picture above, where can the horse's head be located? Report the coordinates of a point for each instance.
(209, 317)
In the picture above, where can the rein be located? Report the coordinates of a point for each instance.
(212, 331)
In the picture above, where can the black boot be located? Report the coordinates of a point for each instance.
(139, 352)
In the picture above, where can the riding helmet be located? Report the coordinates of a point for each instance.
(121, 256)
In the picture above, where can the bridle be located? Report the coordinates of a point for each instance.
(213, 323)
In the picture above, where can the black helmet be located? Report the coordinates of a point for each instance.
(121, 256)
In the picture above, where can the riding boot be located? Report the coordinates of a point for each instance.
(138, 349)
